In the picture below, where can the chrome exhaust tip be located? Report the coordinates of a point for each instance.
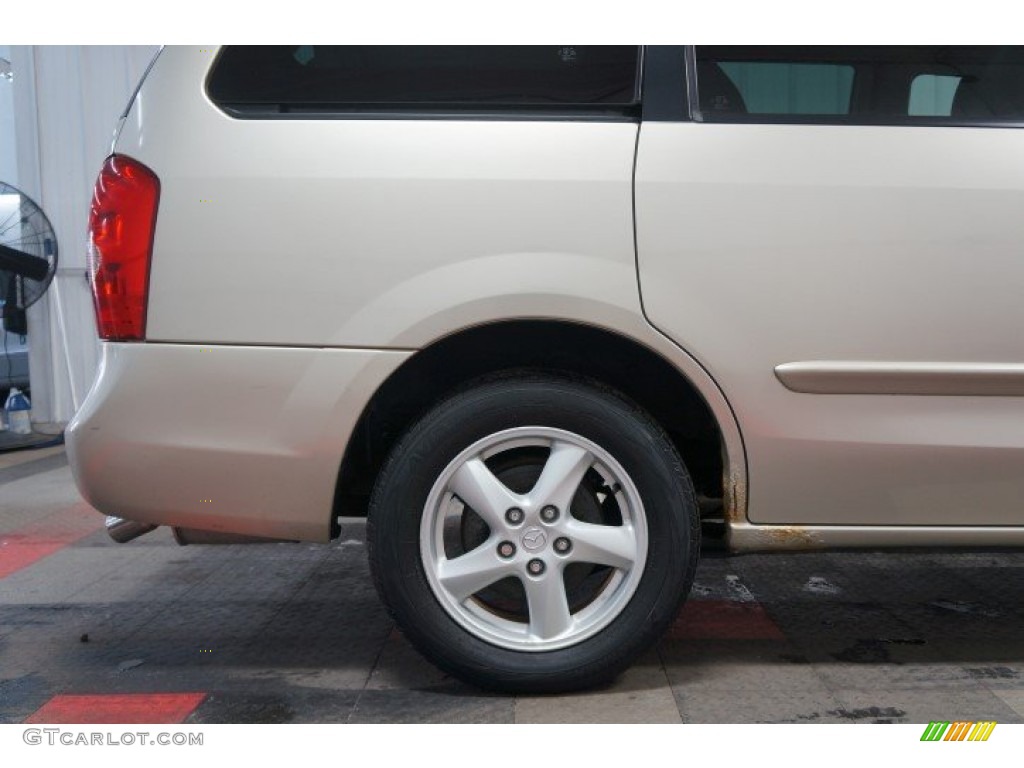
(123, 531)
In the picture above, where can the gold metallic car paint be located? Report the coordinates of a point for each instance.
(230, 439)
(762, 245)
(376, 233)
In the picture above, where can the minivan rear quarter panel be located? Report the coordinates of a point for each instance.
(376, 232)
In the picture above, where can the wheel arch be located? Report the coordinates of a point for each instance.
(655, 373)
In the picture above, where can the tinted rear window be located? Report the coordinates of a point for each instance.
(308, 76)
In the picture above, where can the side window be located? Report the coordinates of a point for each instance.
(772, 88)
(933, 95)
(886, 85)
(307, 78)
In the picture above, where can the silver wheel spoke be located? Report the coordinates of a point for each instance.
(548, 605)
(466, 575)
(561, 475)
(477, 486)
(538, 542)
(613, 545)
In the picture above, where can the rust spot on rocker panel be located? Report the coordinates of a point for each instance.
(777, 538)
(755, 537)
(791, 537)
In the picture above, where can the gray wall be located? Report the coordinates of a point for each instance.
(8, 151)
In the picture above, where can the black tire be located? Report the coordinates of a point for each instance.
(603, 417)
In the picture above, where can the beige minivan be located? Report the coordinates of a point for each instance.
(547, 315)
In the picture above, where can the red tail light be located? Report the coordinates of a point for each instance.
(122, 221)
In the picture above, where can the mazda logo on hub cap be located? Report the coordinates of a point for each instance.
(534, 539)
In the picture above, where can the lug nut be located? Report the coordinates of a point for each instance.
(549, 514)
(514, 516)
(535, 567)
(506, 549)
(562, 545)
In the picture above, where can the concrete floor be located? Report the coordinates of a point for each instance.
(295, 633)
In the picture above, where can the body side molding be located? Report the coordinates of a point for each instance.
(840, 377)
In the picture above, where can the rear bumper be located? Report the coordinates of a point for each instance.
(243, 440)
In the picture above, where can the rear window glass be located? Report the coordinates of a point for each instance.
(284, 77)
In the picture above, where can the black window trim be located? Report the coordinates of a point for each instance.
(692, 95)
(664, 84)
(910, 121)
(610, 113)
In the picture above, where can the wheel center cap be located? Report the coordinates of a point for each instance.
(534, 539)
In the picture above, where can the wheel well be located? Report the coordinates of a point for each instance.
(618, 362)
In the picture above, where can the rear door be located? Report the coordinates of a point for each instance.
(837, 237)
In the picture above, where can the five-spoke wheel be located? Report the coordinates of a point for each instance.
(579, 528)
(533, 533)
